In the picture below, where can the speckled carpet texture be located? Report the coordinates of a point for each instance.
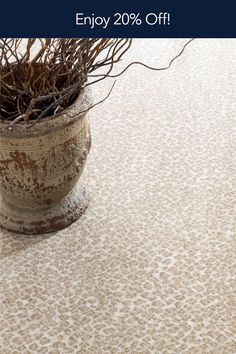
(151, 265)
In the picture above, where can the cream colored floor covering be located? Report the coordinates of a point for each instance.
(151, 266)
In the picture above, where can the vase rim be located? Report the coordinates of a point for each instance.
(76, 111)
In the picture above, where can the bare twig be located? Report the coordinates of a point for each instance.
(34, 85)
(48, 74)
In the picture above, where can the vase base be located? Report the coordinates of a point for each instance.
(39, 221)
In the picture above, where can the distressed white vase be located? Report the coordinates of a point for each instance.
(40, 169)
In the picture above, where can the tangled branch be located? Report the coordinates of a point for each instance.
(42, 77)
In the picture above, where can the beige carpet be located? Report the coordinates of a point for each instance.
(151, 266)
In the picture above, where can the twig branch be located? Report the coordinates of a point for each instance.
(45, 85)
